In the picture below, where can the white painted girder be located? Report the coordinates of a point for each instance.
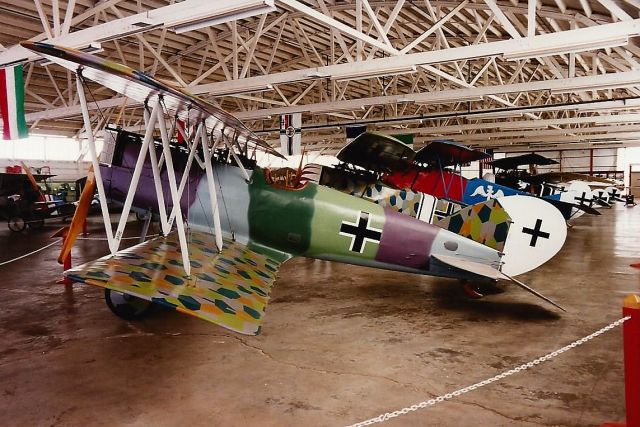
(555, 40)
(166, 16)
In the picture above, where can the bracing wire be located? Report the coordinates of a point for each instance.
(85, 85)
(224, 204)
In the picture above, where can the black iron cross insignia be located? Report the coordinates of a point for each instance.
(535, 233)
(360, 232)
(582, 199)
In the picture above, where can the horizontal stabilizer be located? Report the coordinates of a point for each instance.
(590, 210)
(230, 288)
(473, 267)
(485, 270)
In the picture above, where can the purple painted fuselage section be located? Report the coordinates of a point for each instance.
(406, 242)
(117, 179)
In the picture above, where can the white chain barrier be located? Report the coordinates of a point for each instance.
(30, 253)
(60, 240)
(431, 402)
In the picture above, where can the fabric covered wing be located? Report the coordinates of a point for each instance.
(230, 288)
(141, 87)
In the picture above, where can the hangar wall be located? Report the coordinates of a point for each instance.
(59, 154)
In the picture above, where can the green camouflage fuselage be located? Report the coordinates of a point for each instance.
(319, 222)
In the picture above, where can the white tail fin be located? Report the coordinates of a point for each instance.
(537, 232)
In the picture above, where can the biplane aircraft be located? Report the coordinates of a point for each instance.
(364, 162)
(383, 169)
(429, 174)
(605, 191)
(574, 192)
(220, 262)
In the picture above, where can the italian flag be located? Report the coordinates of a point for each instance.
(12, 103)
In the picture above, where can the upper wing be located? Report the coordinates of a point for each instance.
(441, 153)
(137, 85)
(230, 288)
(377, 152)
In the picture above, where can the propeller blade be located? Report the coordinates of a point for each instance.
(32, 180)
(534, 292)
(79, 216)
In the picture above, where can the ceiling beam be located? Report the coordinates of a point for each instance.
(167, 17)
(593, 81)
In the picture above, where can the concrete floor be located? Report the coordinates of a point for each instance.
(340, 344)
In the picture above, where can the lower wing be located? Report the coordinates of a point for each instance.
(230, 288)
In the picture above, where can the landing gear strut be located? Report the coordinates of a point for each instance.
(479, 290)
(127, 306)
(472, 290)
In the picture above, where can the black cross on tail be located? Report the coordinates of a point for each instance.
(614, 194)
(360, 232)
(536, 233)
(583, 199)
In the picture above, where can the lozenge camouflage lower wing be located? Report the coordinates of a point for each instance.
(230, 288)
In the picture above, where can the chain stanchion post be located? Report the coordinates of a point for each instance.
(631, 344)
(66, 265)
(631, 333)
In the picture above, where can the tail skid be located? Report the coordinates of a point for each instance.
(491, 273)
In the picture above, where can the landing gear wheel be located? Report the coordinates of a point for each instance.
(127, 306)
(472, 291)
(16, 224)
(142, 216)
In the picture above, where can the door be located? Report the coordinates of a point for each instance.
(634, 184)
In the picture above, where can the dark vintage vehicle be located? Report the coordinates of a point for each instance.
(23, 205)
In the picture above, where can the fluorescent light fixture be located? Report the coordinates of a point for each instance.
(609, 142)
(451, 100)
(317, 75)
(573, 89)
(234, 12)
(249, 89)
(573, 47)
(496, 115)
(543, 145)
(613, 105)
(374, 73)
(139, 25)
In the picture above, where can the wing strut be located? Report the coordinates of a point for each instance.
(152, 119)
(96, 166)
(175, 197)
(150, 122)
(208, 151)
(193, 147)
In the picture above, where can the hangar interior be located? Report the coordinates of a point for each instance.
(275, 122)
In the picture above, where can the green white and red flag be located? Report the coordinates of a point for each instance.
(14, 125)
